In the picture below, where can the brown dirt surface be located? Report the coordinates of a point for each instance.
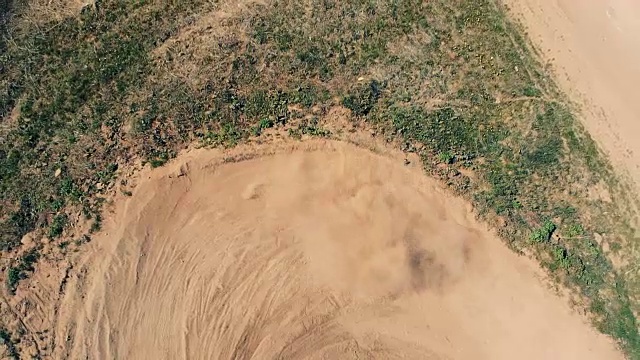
(313, 249)
(595, 50)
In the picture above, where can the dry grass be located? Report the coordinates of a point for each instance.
(40, 13)
(191, 52)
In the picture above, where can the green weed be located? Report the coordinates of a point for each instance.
(544, 233)
(446, 157)
(21, 270)
(7, 340)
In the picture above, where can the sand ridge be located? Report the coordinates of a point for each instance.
(315, 249)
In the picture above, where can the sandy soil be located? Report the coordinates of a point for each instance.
(595, 48)
(316, 249)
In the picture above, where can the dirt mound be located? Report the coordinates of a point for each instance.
(317, 249)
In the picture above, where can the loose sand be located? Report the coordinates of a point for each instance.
(594, 47)
(316, 249)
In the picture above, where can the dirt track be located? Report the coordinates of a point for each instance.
(595, 49)
(311, 250)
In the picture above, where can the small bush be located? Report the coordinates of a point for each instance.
(547, 153)
(13, 277)
(362, 101)
(7, 341)
(574, 230)
(21, 270)
(544, 232)
(446, 157)
(262, 125)
(57, 225)
(531, 91)
(97, 224)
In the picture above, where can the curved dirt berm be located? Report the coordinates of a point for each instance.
(317, 249)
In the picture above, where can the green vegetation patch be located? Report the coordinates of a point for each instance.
(7, 340)
(22, 269)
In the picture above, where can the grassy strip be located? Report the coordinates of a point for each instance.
(453, 80)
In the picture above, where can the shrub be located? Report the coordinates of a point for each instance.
(543, 233)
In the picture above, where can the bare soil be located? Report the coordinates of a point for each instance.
(314, 249)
